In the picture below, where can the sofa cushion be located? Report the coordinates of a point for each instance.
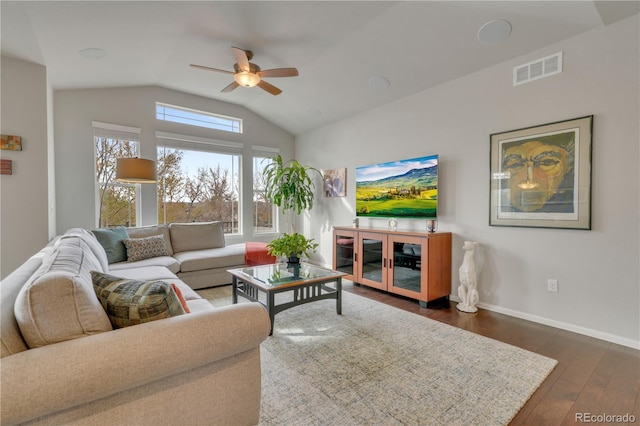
(111, 240)
(166, 262)
(145, 248)
(199, 305)
(12, 340)
(58, 302)
(212, 258)
(157, 273)
(151, 272)
(93, 243)
(196, 236)
(148, 231)
(130, 302)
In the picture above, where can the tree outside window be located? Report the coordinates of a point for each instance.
(117, 201)
(263, 211)
(198, 186)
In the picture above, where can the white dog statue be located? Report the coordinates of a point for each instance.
(468, 280)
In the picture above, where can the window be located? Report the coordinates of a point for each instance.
(194, 117)
(263, 209)
(117, 203)
(198, 181)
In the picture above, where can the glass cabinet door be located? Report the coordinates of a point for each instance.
(373, 260)
(344, 253)
(406, 269)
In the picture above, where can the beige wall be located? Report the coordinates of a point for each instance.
(24, 195)
(597, 270)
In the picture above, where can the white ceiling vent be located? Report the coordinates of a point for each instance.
(537, 69)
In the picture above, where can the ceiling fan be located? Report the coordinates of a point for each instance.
(248, 74)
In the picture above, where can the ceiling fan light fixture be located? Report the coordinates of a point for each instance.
(246, 79)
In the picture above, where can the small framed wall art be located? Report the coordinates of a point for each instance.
(334, 183)
(6, 167)
(541, 176)
(11, 142)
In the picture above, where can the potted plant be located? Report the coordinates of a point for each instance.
(293, 246)
(290, 186)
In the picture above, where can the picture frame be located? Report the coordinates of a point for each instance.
(541, 176)
(11, 142)
(334, 183)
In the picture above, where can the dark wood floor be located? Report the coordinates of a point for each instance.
(592, 376)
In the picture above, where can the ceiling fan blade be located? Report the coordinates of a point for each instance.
(278, 72)
(230, 87)
(269, 88)
(211, 69)
(241, 58)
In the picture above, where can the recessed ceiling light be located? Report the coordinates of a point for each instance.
(93, 53)
(494, 31)
(379, 83)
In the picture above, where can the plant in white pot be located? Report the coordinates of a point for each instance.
(290, 186)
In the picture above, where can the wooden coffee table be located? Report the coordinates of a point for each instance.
(309, 285)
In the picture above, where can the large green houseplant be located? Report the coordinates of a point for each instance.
(290, 186)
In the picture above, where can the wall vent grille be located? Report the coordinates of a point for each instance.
(538, 69)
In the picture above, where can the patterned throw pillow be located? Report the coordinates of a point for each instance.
(130, 302)
(145, 248)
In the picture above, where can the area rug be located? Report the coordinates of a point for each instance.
(379, 365)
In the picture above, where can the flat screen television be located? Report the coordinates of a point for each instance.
(399, 189)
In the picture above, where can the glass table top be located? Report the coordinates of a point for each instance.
(279, 273)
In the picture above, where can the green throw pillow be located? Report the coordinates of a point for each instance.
(111, 240)
(130, 302)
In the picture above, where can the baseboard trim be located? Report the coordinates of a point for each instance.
(630, 343)
(634, 344)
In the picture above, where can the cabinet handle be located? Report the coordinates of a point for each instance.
(355, 257)
(384, 262)
(390, 263)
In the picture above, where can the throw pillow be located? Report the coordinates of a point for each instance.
(130, 302)
(111, 240)
(183, 301)
(145, 248)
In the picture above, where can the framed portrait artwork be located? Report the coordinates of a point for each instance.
(541, 176)
(334, 183)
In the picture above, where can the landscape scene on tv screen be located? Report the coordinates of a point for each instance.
(400, 189)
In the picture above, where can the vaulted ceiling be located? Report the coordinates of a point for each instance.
(337, 46)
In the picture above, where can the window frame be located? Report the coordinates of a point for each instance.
(119, 132)
(274, 210)
(207, 119)
(214, 146)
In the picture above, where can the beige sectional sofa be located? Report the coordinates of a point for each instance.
(63, 363)
(197, 253)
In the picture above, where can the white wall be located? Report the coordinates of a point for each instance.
(76, 109)
(598, 270)
(24, 194)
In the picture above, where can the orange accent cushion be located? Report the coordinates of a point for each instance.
(255, 253)
(183, 302)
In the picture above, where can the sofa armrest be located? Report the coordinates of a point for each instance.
(48, 379)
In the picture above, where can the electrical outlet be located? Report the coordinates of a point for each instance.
(552, 285)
